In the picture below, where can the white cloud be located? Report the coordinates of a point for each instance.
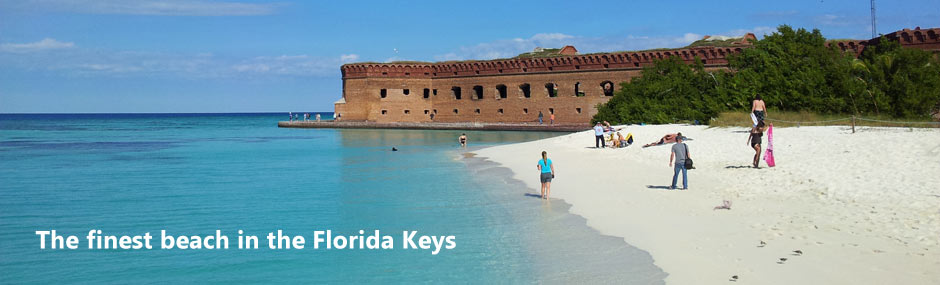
(448, 57)
(122, 64)
(44, 44)
(828, 19)
(550, 37)
(294, 65)
(345, 58)
(689, 37)
(111, 68)
(757, 31)
(152, 7)
(509, 47)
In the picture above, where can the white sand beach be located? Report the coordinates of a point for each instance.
(863, 208)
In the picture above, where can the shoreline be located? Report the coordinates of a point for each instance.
(564, 248)
(837, 205)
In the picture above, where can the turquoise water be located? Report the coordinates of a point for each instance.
(194, 173)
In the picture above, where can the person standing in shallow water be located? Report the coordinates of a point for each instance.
(754, 139)
(546, 174)
(463, 140)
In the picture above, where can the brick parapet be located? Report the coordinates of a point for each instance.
(924, 39)
(587, 62)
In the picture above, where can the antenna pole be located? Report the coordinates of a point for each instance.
(874, 28)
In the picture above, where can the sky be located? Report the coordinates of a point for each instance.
(205, 56)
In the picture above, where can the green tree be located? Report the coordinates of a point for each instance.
(794, 70)
(666, 92)
(904, 82)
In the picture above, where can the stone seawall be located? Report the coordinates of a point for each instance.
(436, 126)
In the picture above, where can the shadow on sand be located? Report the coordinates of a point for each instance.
(659, 187)
(738, 166)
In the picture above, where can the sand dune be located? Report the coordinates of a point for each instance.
(863, 208)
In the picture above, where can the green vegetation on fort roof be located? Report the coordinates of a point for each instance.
(794, 71)
(548, 52)
(715, 43)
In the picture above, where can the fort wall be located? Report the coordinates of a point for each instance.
(516, 90)
(925, 39)
(508, 90)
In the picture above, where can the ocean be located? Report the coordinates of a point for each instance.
(193, 174)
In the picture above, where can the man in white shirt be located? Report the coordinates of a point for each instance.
(599, 136)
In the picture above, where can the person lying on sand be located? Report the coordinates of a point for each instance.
(668, 138)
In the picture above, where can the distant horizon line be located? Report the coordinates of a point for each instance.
(156, 113)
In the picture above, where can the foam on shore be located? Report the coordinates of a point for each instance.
(863, 208)
(562, 247)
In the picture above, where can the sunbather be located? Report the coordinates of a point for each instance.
(668, 138)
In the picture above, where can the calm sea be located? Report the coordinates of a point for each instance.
(127, 174)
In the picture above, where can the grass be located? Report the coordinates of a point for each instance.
(714, 43)
(548, 52)
(743, 119)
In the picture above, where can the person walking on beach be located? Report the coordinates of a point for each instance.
(540, 117)
(754, 139)
(290, 116)
(463, 140)
(551, 118)
(680, 152)
(599, 136)
(318, 117)
(758, 108)
(546, 174)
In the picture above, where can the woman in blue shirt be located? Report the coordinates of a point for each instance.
(547, 170)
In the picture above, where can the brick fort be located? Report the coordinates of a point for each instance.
(551, 81)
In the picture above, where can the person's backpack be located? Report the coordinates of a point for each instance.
(688, 161)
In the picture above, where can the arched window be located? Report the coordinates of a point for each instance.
(577, 90)
(456, 91)
(608, 88)
(501, 90)
(526, 90)
(551, 89)
(477, 92)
